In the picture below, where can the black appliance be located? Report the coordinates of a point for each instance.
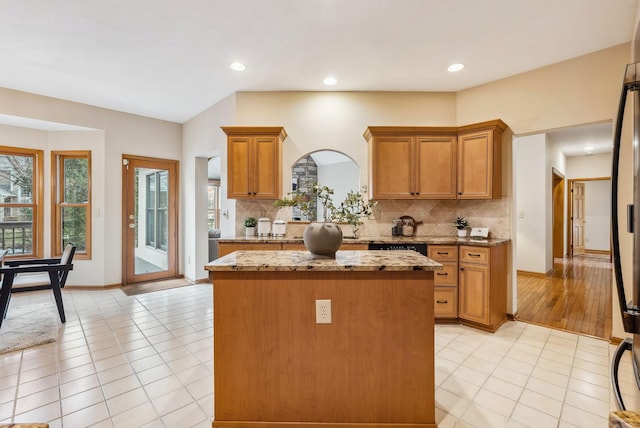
(419, 247)
(629, 309)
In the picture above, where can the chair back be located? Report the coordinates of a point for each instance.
(66, 259)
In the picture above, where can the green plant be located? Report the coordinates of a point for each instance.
(461, 223)
(302, 201)
(353, 209)
(250, 222)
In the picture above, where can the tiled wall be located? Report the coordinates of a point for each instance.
(437, 216)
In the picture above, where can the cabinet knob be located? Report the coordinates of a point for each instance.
(461, 268)
(459, 193)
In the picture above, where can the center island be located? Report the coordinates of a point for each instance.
(333, 343)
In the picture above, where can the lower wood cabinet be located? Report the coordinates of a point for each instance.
(482, 287)
(445, 291)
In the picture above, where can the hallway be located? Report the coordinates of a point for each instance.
(575, 296)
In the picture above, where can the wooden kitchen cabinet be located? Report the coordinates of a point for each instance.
(435, 162)
(479, 173)
(409, 163)
(482, 286)
(445, 280)
(254, 162)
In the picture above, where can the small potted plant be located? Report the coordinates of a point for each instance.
(461, 224)
(250, 224)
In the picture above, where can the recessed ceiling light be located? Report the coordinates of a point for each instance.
(236, 66)
(588, 149)
(455, 67)
(330, 81)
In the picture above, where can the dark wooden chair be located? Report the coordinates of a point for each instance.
(36, 274)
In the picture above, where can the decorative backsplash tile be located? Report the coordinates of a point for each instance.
(437, 216)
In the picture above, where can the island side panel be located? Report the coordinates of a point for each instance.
(373, 365)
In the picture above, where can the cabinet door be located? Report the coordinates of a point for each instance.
(239, 167)
(475, 165)
(474, 290)
(392, 168)
(436, 167)
(266, 177)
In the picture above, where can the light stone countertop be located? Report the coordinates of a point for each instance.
(433, 240)
(404, 260)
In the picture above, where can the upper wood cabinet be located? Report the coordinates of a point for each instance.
(435, 162)
(254, 162)
(412, 162)
(480, 160)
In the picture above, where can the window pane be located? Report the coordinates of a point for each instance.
(16, 179)
(74, 228)
(151, 191)
(76, 180)
(163, 230)
(16, 230)
(163, 196)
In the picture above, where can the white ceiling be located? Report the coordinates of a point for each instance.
(574, 141)
(170, 59)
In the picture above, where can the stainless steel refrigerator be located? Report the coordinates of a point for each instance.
(629, 304)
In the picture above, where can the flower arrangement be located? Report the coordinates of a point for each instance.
(461, 223)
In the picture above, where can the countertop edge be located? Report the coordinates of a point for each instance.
(429, 240)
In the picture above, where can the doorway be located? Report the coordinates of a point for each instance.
(149, 219)
(558, 213)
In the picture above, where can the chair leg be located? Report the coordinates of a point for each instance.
(5, 296)
(55, 287)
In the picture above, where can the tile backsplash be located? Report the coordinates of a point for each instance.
(437, 216)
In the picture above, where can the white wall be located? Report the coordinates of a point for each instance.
(594, 166)
(202, 139)
(123, 134)
(555, 160)
(529, 157)
(338, 176)
(598, 215)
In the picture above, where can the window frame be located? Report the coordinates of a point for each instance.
(57, 193)
(37, 203)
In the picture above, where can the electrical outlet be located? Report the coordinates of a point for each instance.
(323, 311)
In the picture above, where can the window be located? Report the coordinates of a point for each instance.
(71, 198)
(157, 188)
(21, 201)
(213, 205)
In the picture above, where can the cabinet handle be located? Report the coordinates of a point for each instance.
(443, 253)
(417, 193)
(442, 274)
(442, 301)
(473, 255)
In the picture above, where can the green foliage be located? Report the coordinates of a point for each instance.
(354, 208)
(461, 223)
(250, 222)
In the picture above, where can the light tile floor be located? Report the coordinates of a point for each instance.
(146, 361)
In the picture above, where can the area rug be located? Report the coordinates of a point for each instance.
(149, 287)
(29, 325)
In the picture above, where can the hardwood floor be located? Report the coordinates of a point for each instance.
(575, 297)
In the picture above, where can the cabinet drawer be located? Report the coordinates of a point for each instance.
(443, 253)
(447, 276)
(445, 302)
(478, 255)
